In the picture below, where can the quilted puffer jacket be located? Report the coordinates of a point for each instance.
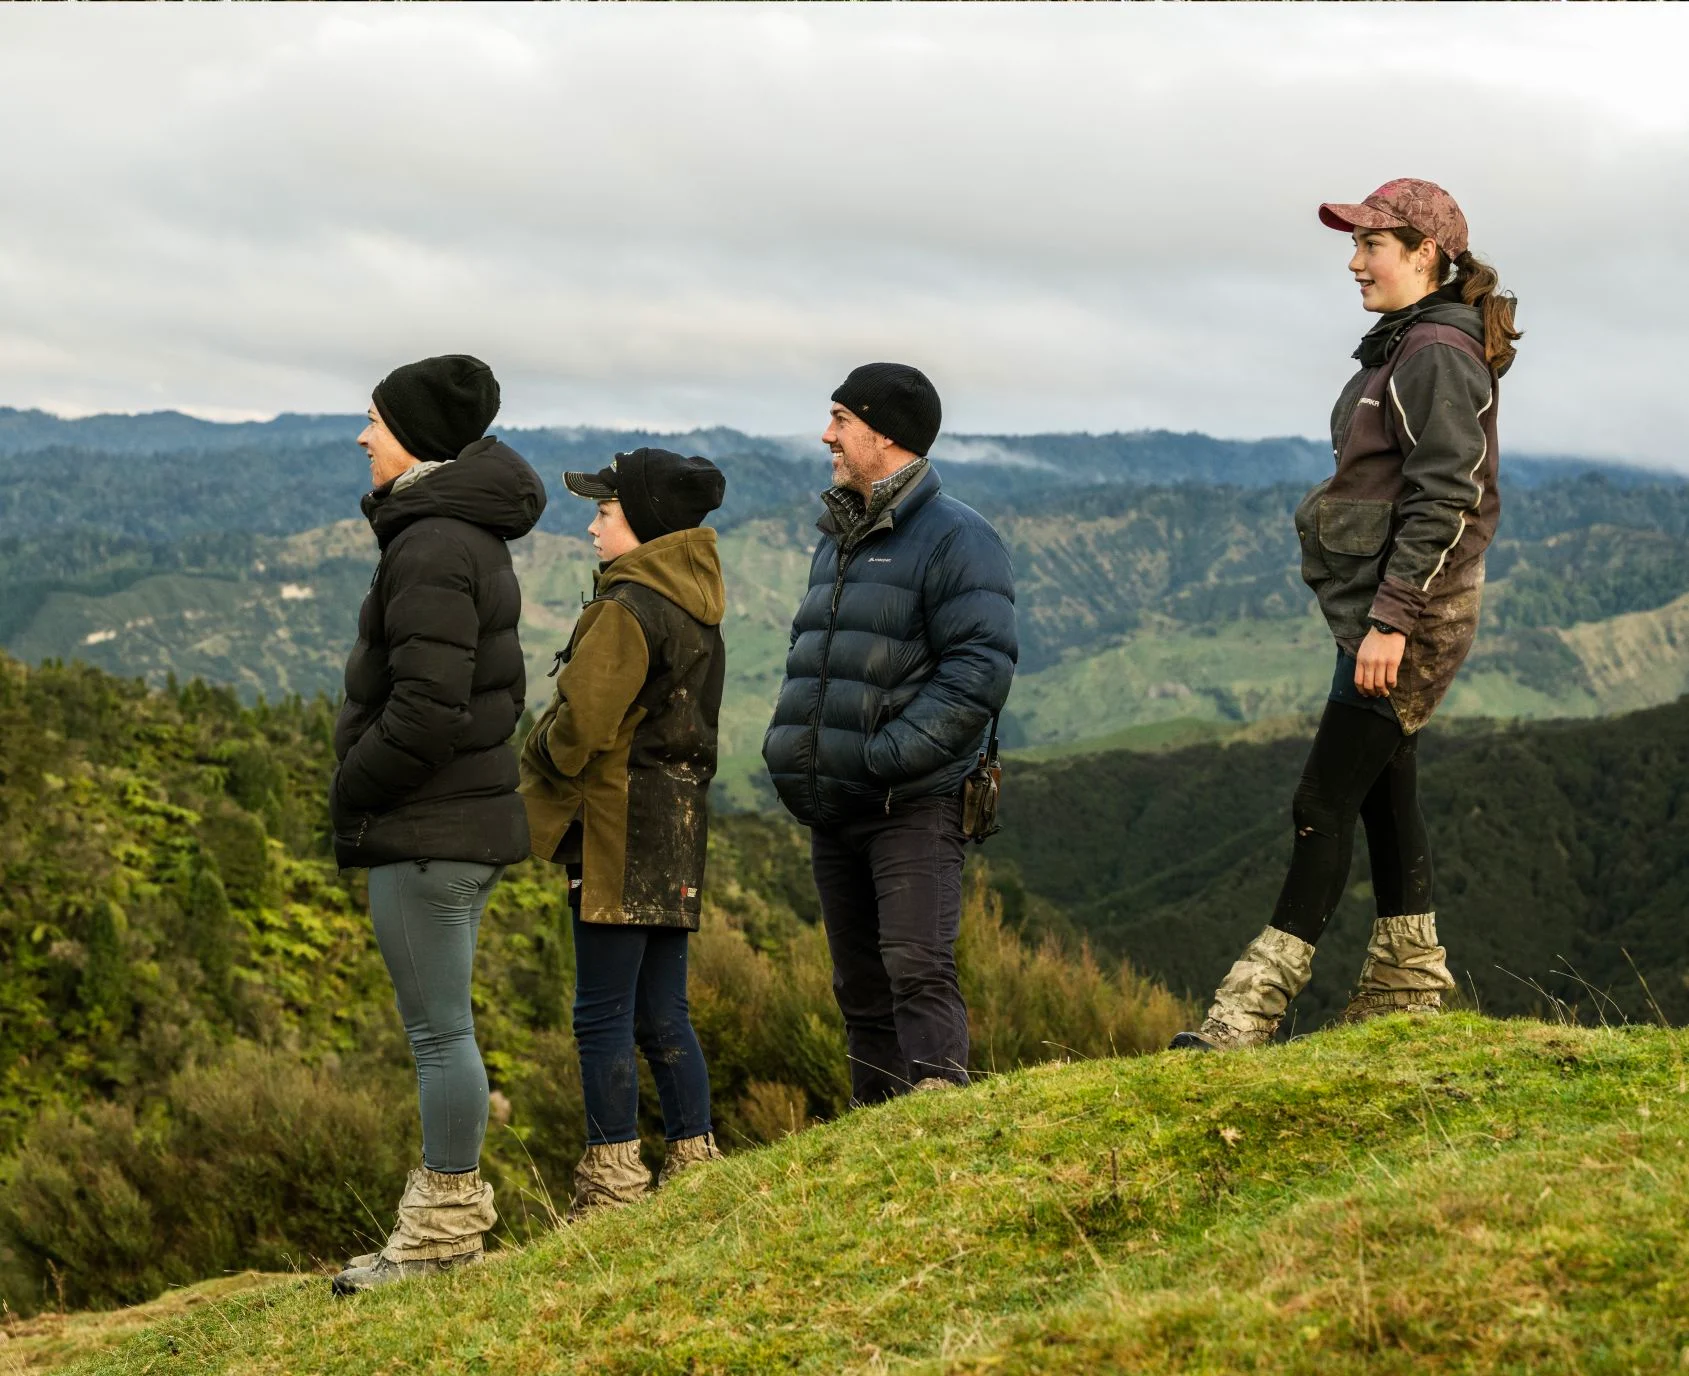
(902, 650)
(435, 683)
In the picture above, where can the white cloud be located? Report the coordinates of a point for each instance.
(1085, 217)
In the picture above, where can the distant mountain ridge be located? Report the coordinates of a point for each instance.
(322, 449)
(1141, 602)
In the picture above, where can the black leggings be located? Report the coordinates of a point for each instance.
(1361, 766)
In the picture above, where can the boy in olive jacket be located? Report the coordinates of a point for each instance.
(614, 775)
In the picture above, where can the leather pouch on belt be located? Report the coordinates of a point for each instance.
(980, 791)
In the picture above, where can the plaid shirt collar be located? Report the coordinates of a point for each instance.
(855, 517)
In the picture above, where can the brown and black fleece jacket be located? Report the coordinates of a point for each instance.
(627, 748)
(1397, 534)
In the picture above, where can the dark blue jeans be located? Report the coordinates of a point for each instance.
(891, 900)
(630, 991)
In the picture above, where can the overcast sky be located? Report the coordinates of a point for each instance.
(1088, 217)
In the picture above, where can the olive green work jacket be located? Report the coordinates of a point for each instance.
(627, 747)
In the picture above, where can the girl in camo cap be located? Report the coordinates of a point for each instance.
(1393, 547)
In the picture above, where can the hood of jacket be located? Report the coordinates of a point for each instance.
(489, 485)
(1441, 307)
(682, 566)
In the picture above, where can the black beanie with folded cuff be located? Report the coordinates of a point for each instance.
(896, 400)
(660, 492)
(438, 406)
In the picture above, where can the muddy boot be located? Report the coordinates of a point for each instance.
(608, 1176)
(1405, 970)
(443, 1221)
(1273, 969)
(688, 1151)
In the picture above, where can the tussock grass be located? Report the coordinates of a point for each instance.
(1456, 1194)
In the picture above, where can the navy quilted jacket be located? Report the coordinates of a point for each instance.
(903, 648)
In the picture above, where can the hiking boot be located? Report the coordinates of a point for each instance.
(932, 1082)
(380, 1271)
(443, 1221)
(608, 1176)
(1250, 1002)
(688, 1151)
(1405, 970)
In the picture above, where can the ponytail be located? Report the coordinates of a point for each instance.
(1480, 287)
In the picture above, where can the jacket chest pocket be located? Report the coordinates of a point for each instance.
(1356, 528)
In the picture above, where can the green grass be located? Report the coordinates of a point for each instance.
(1458, 1194)
(45, 1342)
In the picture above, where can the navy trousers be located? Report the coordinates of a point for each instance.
(891, 901)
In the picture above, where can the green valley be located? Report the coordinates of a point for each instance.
(204, 1073)
(1139, 603)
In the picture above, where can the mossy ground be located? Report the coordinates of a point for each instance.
(1458, 1194)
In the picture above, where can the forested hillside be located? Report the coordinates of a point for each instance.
(200, 1064)
(1562, 860)
(1157, 572)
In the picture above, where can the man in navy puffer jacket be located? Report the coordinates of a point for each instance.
(902, 651)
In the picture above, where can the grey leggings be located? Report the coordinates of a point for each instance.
(426, 915)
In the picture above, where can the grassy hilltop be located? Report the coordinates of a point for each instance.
(1452, 1195)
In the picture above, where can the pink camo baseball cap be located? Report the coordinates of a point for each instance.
(1405, 203)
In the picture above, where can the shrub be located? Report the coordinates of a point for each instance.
(771, 1110)
(254, 1160)
(530, 1161)
(1047, 1002)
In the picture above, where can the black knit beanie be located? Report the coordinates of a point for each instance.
(436, 407)
(896, 400)
(660, 491)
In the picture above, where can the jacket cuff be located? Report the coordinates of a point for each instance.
(1399, 604)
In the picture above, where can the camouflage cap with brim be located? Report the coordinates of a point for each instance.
(1405, 203)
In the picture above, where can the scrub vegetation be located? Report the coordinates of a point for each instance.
(1457, 1194)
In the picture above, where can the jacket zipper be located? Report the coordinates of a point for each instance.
(821, 690)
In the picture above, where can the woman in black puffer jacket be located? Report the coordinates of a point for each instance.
(425, 793)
